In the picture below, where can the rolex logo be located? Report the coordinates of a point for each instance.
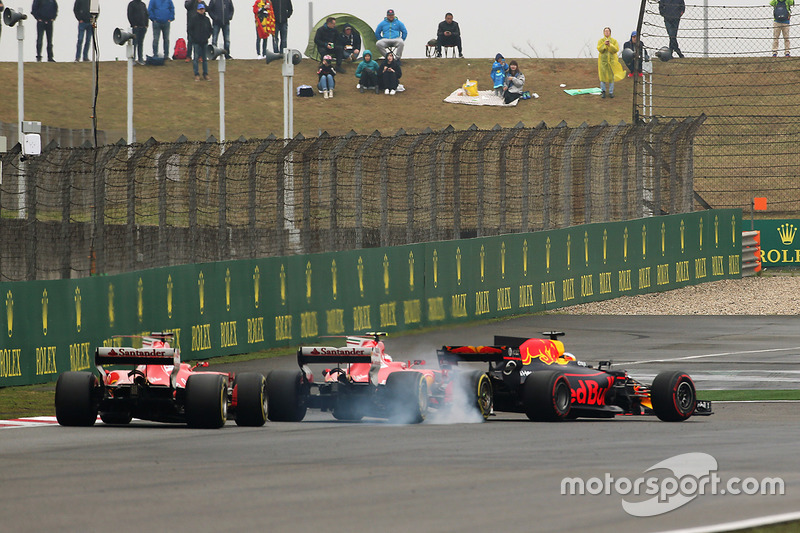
(787, 232)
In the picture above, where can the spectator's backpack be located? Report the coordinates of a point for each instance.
(781, 11)
(180, 49)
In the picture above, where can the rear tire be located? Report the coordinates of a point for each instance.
(407, 394)
(477, 389)
(547, 396)
(76, 399)
(673, 395)
(206, 401)
(251, 399)
(348, 408)
(285, 396)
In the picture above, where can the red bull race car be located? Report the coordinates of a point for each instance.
(368, 382)
(537, 377)
(158, 388)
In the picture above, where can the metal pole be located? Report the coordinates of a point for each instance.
(221, 67)
(705, 28)
(129, 50)
(310, 16)
(20, 116)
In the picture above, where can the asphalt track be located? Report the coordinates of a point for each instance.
(504, 475)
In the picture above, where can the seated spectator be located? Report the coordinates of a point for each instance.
(390, 73)
(499, 69)
(327, 41)
(629, 54)
(326, 74)
(351, 42)
(515, 81)
(448, 34)
(367, 73)
(391, 32)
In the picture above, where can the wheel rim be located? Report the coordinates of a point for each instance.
(224, 404)
(684, 396)
(484, 397)
(423, 398)
(562, 397)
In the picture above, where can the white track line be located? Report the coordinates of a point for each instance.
(740, 524)
(703, 356)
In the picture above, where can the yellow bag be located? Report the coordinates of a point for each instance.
(470, 88)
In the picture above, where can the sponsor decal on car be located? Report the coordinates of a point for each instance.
(324, 350)
(546, 351)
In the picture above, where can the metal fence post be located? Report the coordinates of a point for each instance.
(502, 174)
(411, 183)
(252, 178)
(547, 177)
(567, 177)
(132, 243)
(334, 234)
(460, 140)
(358, 174)
(384, 193)
(641, 142)
(100, 170)
(674, 188)
(605, 201)
(588, 144)
(485, 140)
(222, 183)
(438, 178)
(688, 190)
(194, 160)
(66, 211)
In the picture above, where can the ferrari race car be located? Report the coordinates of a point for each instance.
(159, 388)
(538, 378)
(368, 382)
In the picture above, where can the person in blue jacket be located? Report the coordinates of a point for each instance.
(391, 32)
(367, 73)
(45, 12)
(161, 12)
(499, 70)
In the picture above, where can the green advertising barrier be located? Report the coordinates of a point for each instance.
(242, 306)
(778, 246)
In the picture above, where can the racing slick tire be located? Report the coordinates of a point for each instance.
(476, 387)
(206, 401)
(116, 418)
(547, 396)
(285, 394)
(76, 399)
(407, 401)
(251, 399)
(673, 395)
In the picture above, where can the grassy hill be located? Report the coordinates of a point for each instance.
(168, 102)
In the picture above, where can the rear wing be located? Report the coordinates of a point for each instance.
(136, 356)
(330, 355)
(452, 355)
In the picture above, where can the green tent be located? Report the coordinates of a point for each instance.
(367, 33)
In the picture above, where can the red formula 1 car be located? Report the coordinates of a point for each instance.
(159, 388)
(368, 382)
(538, 378)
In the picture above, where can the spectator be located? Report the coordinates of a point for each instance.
(161, 12)
(326, 73)
(199, 33)
(137, 18)
(499, 70)
(282, 9)
(191, 11)
(608, 67)
(391, 32)
(367, 73)
(672, 11)
(85, 29)
(629, 54)
(45, 12)
(515, 81)
(390, 74)
(351, 42)
(221, 12)
(265, 25)
(2, 7)
(781, 13)
(327, 41)
(448, 34)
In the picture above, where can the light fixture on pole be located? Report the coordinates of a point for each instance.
(290, 59)
(122, 37)
(10, 18)
(214, 53)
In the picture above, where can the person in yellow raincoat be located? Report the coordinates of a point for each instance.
(608, 66)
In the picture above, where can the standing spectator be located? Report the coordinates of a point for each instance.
(137, 18)
(448, 34)
(2, 7)
(390, 74)
(199, 32)
(81, 10)
(45, 12)
(161, 12)
(265, 25)
(367, 73)
(499, 70)
(515, 81)
(351, 42)
(326, 73)
(191, 11)
(327, 41)
(629, 54)
(672, 11)
(608, 67)
(781, 13)
(221, 12)
(282, 9)
(391, 32)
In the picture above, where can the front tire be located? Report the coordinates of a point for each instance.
(673, 395)
(206, 401)
(547, 397)
(285, 397)
(407, 394)
(76, 399)
(251, 399)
